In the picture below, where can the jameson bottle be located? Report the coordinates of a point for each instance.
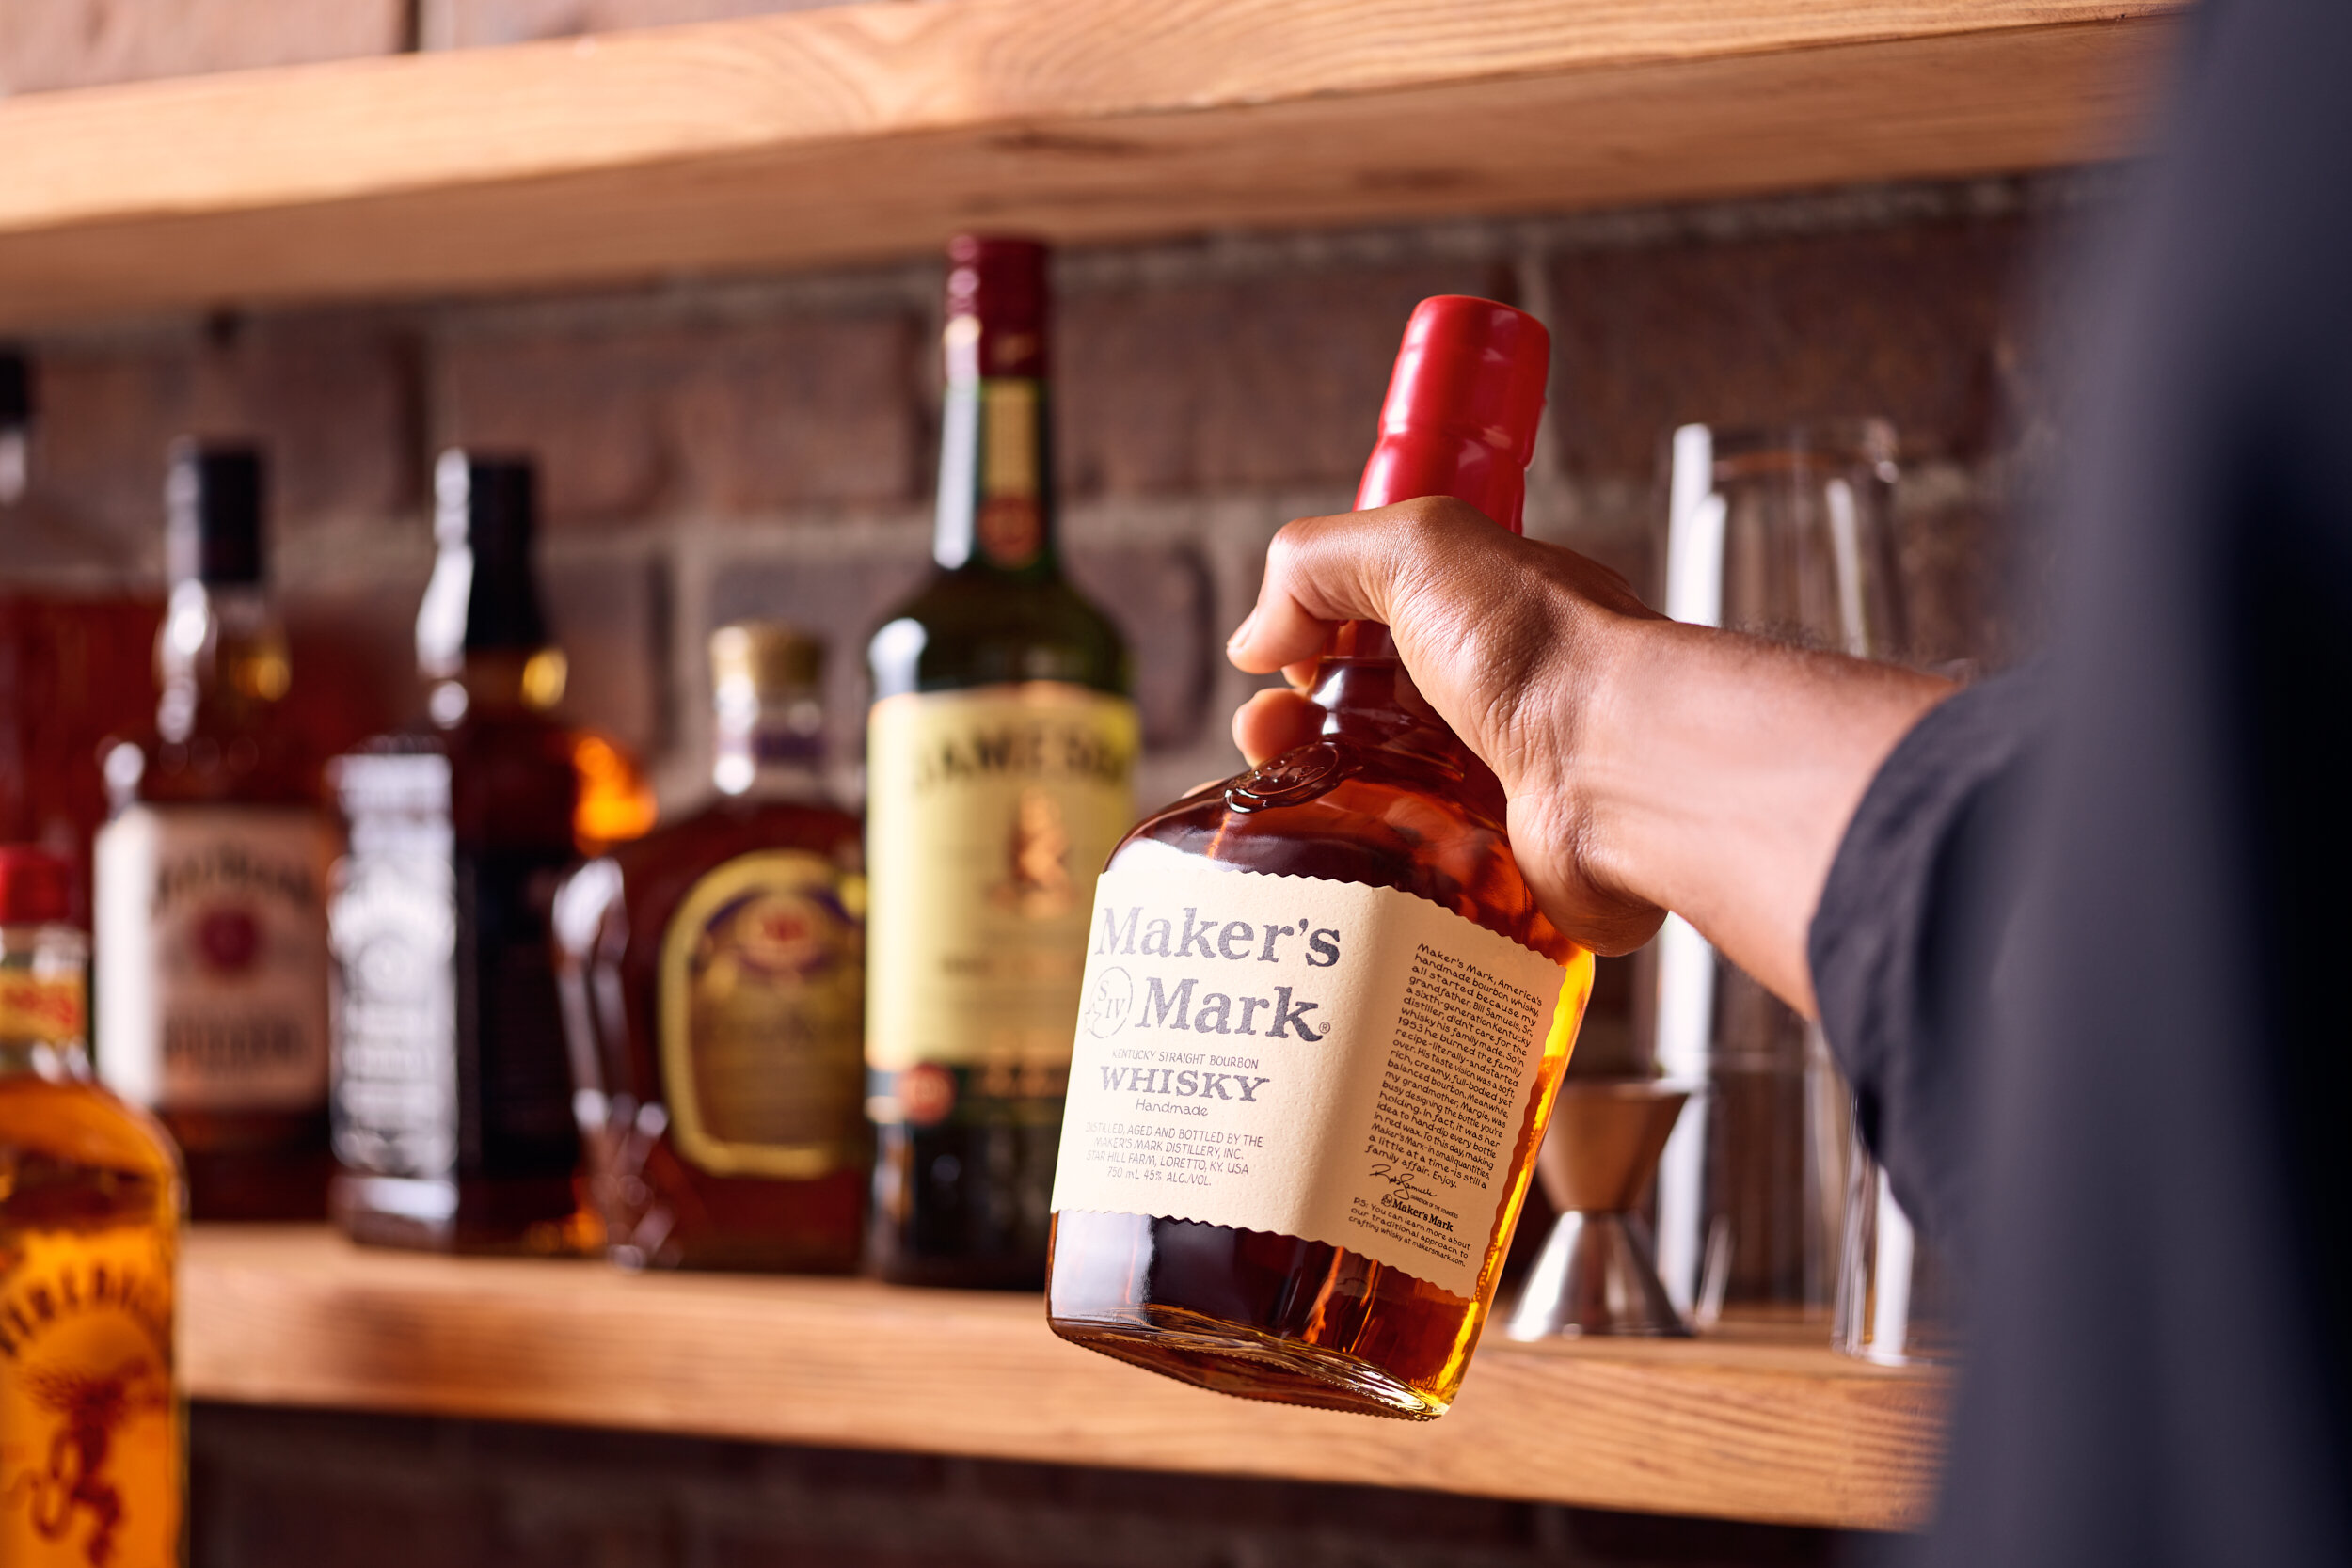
(453, 1101)
(999, 755)
(1324, 1019)
(209, 904)
(714, 988)
(90, 1434)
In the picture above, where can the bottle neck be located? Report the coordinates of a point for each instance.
(16, 449)
(771, 747)
(995, 476)
(67, 1062)
(497, 683)
(220, 658)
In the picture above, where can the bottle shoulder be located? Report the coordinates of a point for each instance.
(1385, 819)
(81, 1154)
(647, 879)
(252, 764)
(971, 628)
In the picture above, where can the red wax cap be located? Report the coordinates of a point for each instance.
(36, 886)
(999, 284)
(1463, 405)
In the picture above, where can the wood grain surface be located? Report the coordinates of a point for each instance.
(1764, 1429)
(866, 130)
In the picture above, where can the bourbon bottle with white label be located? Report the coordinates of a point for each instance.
(999, 755)
(211, 897)
(1324, 1018)
(91, 1430)
(714, 994)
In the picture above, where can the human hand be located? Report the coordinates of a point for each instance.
(1648, 764)
(1503, 636)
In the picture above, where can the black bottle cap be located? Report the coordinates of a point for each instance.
(489, 504)
(16, 389)
(212, 512)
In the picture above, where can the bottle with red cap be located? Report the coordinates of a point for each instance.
(1323, 1019)
(90, 1429)
(999, 752)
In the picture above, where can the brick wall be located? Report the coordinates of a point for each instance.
(281, 1489)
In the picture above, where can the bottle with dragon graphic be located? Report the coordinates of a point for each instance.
(90, 1423)
(999, 755)
(714, 994)
(1324, 1019)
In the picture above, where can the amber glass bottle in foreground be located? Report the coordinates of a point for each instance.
(1324, 1018)
(714, 989)
(453, 1094)
(90, 1431)
(210, 913)
(999, 755)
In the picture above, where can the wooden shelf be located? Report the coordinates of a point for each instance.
(1752, 1430)
(867, 131)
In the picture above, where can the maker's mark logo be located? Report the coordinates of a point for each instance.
(1110, 1003)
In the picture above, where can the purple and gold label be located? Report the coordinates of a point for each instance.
(762, 1002)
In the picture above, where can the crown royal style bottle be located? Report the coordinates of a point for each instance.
(714, 992)
(90, 1427)
(210, 913)
(453, 1094)
(1324, 1019)
(999, 757)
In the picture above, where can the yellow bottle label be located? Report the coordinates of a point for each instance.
(762, 996)
(90, 1467)
(990, 813)
(51, 1008)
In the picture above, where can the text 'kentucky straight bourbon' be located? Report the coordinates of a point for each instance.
(1324, 1019)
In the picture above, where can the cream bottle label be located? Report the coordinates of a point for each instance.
(1349, 1065)
(211, 957)
(989, 813)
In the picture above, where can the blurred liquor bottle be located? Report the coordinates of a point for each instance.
(90, 1422)
(210, 913)
(78, 614)
(714, 992)
(453, 1094)
(1325, 1019)
(999, 757)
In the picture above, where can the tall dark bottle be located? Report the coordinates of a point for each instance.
(453, 1114)
(999, 756)
(210, 903)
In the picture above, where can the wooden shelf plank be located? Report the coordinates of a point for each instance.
(1756, 1430)
(873, 130)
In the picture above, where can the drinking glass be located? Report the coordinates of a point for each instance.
(1784, 534)
(1895, 1300)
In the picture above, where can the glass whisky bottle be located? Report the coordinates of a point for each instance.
(452, 1091)
(210, 905)
(714, 994)
(1312, 1205)
(78, 614)
(91, 1434)
(1000, 751)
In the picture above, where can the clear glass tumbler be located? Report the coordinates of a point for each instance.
(1786, 534)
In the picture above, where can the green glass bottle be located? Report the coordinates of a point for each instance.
(1000, 755)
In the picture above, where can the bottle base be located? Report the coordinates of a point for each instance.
(534, 1217)
(1228, 1358)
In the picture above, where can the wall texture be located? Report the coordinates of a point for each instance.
(290, 1490)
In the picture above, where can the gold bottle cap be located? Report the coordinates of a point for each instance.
(765, 655)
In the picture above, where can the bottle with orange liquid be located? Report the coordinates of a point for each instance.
(1324, 1020)
(91, 1425)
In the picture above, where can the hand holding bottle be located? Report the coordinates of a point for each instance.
(1648, 764)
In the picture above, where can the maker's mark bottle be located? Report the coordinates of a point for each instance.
(91, 1433)
(998, 760)
(1324, 1019)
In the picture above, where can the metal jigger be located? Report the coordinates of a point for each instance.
(1597, 1273)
